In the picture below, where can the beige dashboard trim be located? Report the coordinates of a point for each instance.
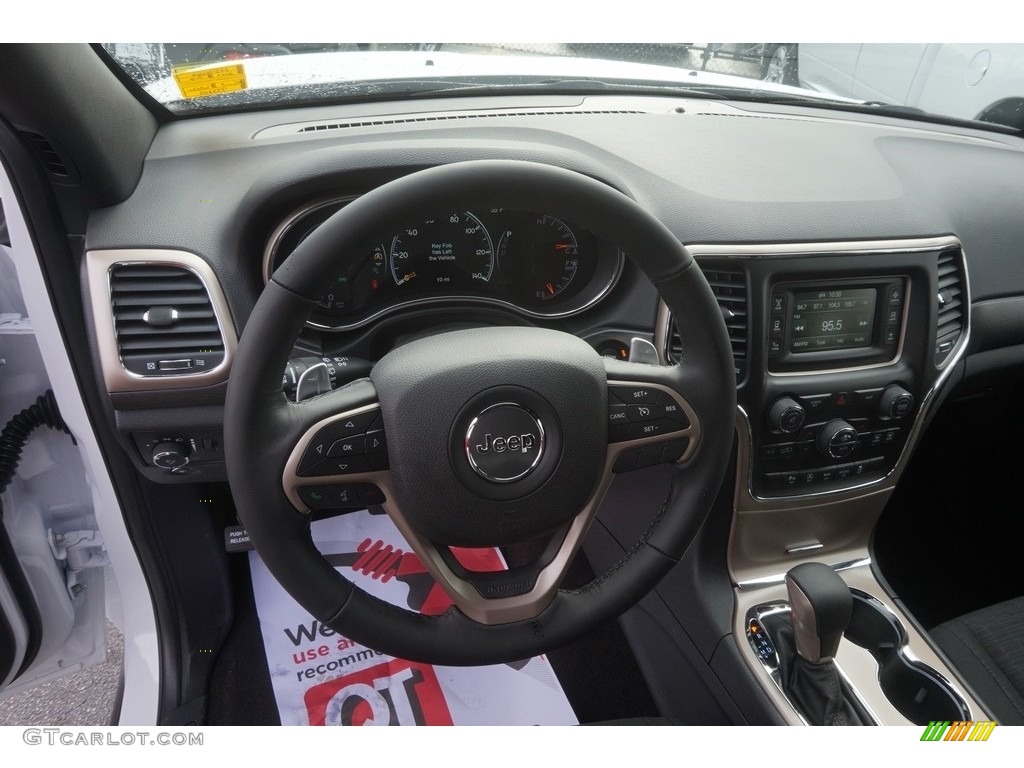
(116, 377)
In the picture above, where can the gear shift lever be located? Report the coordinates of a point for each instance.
(820, 610)
(821, 607)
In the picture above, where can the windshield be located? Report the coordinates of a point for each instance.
(959, 82)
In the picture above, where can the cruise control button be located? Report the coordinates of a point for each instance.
(653, 428)
(617, 414)
(633, 395)
(644, 413)
(675, 412)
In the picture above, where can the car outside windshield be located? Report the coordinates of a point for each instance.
(948, 81)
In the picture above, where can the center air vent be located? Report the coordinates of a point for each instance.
(949, 305)
(730, 288)
(164, 321)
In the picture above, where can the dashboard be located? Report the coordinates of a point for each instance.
(864, 267)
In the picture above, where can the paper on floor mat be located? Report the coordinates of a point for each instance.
(322, 678)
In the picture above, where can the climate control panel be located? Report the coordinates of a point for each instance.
(821, 441)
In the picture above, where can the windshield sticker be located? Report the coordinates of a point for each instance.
(196, 82)
(323, 678)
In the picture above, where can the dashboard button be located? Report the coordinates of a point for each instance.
(774, 345)
(778, 303)
(814, 404)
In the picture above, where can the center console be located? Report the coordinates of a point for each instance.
(842, 354)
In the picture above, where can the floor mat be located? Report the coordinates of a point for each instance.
(322, 678)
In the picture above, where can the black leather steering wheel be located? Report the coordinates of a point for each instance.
(493, 436)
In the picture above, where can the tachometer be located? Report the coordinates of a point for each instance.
(446, 252)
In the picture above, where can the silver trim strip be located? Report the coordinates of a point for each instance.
(279, 232)
(98, 265)
(780, 578)
(801, 250)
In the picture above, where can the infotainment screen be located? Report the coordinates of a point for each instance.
(826, 319)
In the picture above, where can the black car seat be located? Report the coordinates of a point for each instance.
(987, 646)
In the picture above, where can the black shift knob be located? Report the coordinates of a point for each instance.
(821, 606)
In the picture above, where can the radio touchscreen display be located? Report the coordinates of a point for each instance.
(826, 319)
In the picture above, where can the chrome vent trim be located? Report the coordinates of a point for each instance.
(161, 320)
(950, 300)
(730, 288)
(163, 312)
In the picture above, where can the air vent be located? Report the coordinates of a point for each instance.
(164, 321)
(730, 288)
(949, 304)
(52, 160)
(441, 117)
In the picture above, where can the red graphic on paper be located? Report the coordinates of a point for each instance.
(394, 693)
(384, 562)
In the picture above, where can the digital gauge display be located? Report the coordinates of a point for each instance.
(828, 319)
(524, 261)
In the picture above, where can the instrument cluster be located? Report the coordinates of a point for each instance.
(527, 261)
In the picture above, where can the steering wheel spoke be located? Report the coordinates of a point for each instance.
(649, 420)
(340, 454)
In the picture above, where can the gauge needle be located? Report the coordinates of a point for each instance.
(407, 278)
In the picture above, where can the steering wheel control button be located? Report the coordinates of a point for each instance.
(504, 443)
(673, 410)
(350, 496)
(339, 447)
(638, 411)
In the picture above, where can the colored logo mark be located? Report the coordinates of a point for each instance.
(958, 730)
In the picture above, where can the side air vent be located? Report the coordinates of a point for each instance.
(949, 304)
(164, 321)
(52, 160)
(730, 288)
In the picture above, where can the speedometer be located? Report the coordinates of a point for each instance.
(447, 252)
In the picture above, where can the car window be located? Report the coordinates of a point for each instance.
(958, 81)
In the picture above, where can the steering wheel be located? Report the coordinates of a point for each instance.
(481, 437)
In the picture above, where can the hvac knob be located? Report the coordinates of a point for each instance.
(786, 415)
(837, 439)
(895, 402)
(170, 455)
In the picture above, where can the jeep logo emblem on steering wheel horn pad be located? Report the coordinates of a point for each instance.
(504, 443)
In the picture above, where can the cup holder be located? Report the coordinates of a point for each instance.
(916, 690)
